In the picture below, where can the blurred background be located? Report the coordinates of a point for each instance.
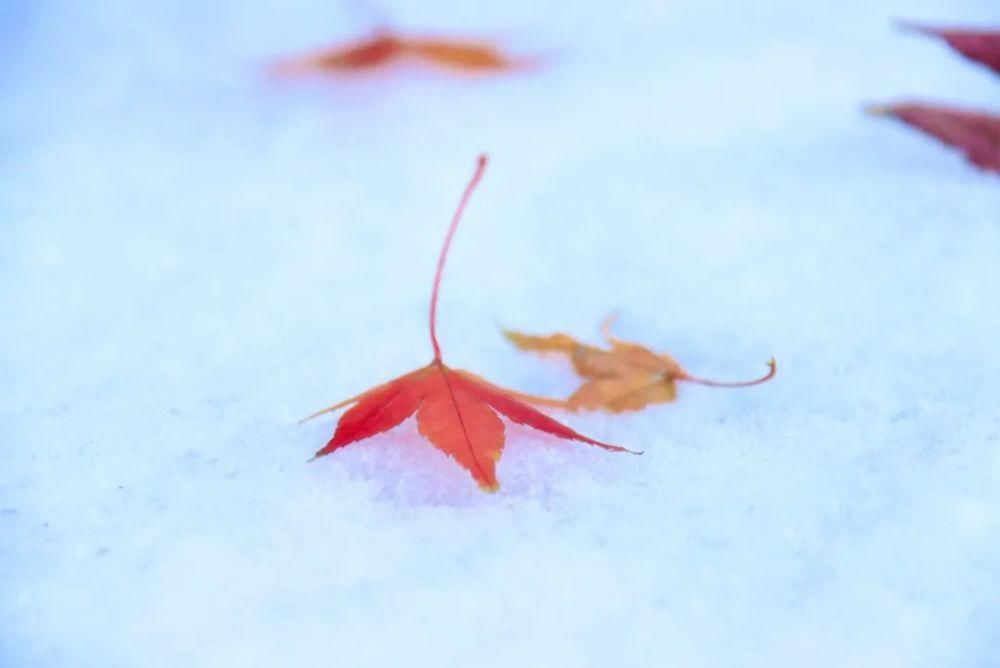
(194, 254)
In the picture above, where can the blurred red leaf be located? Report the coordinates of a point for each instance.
(982, 46)
(457, 411)
(386, 47)
(976, 134)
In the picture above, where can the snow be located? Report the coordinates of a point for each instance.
(195, 256)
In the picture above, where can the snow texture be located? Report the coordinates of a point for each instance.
(193, 256)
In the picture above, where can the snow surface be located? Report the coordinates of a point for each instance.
(194, 256)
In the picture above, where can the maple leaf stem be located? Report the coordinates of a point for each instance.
(772, 370)
(455, 219)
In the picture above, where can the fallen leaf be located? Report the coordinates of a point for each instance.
(457, 411)
(624, 377)
(981, 46)
(976, 134)
(360, 55)
(385, 47)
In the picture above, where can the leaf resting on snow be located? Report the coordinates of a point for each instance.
(623, 377)
(385, 47)
(458, 412)
(981, 46)
(976, 134)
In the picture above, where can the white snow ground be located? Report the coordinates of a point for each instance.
(193, 257)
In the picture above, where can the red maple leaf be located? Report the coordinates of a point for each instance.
(982, 46)
(458, 412)
(976, 133)
(385, 47)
